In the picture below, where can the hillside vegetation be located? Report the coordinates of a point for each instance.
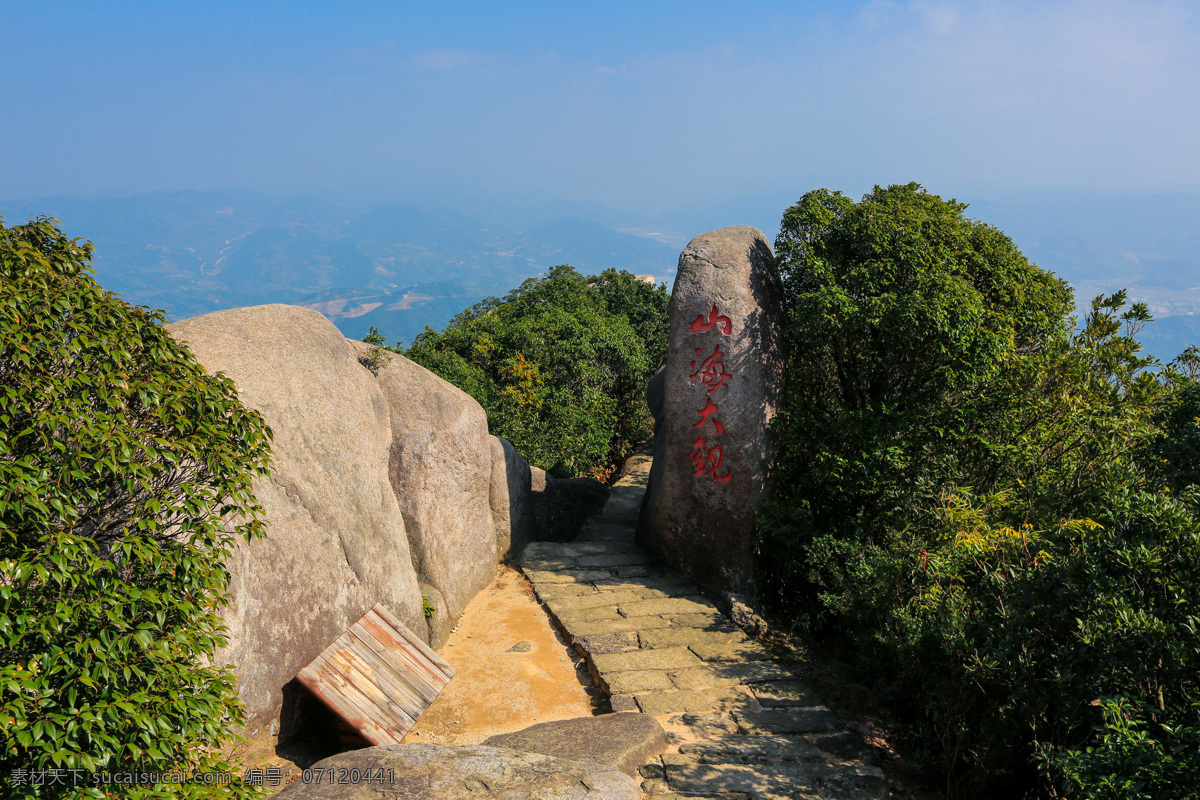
(560, 365)
(995, 510)
(119, 457)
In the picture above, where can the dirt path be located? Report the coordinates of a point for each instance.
(512, 669)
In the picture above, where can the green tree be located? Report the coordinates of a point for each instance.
(120, 463)
(900, 310)
(560, 365)
(996, 512)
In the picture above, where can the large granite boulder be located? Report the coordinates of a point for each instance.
(722, 385)
(561, 506)
(447, 772)
(647, 534)
(335, 541)
(512, 514)
(625, 741)
(441, 468)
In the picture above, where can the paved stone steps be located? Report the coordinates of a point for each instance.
(742, 726)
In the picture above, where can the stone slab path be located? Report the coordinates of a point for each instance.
(742, 727)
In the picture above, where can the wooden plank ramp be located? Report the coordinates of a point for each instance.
(378, 677)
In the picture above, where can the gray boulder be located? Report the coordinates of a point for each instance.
(647, 534)
(447, 772)
(623, 741)
(561, 506)
(335, 541)
(722, 385)
(512, 515)
(440, 467)
(438, 622)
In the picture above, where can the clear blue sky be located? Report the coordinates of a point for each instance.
(635, 105)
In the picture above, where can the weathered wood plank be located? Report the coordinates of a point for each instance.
(359, 674)
(400, 644)
(382, 726)
(378, 677)
(416, 643)
(391, 684)
(419, 683)
(390, 638)
(324, 680)
(392, 641)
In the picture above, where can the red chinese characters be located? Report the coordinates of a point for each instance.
(715, 318)
(711, 371)
(709, 409)
(708, 459)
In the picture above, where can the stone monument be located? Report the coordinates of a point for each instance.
(720, 388)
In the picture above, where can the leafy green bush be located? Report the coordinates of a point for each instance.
(119, 462)
(1124, 763)
(560, 365)
(995, 513)
(900, 310)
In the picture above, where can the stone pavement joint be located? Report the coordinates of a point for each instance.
(740, 724)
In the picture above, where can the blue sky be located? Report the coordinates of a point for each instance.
(638, 106)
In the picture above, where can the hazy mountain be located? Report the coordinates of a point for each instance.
(401, 267)
(398, 268)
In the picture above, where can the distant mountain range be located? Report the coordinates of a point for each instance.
(402, 267)
(397, 268)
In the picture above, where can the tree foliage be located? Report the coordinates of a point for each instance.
(120, 461)
(995, 510)
(560, 364)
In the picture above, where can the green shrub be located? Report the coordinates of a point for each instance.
(900, 312)
(119, 460)
(560, 365)
(996, 514)
(1123, 762)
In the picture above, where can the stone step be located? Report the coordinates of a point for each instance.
(656, 645)
(791, 748)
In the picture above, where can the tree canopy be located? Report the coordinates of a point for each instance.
(560, 365)
(995, 509)
(120, 463)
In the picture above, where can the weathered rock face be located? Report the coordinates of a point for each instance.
(446, 772)
(561, 506)
(440, 467)
(512, 515)
(647, 534)
(722, 386)
(335, 542)
(438, 622)
(624, 741)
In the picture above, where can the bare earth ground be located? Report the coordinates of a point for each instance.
(498, 691)
(494, 690)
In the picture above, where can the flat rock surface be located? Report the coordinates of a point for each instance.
(468, 772)
(738, 724)
(624, 741)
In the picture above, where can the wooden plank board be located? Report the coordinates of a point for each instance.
(377, 676)
(416, 643)
(421, 670)
(398, 691)
(359, 673)
(418, 682)
(347, 702)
